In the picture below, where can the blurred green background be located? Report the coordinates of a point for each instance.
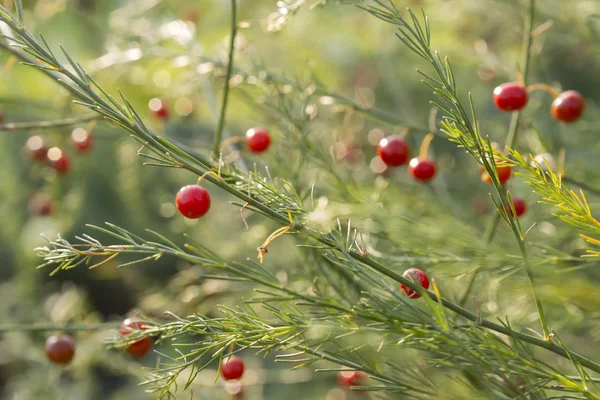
(154, 48)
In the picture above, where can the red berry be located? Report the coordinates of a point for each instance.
(59, 160)
(393, 151)
(191, 15)
(520, 206)
(510, 96)
(82, 140)
(40, 204)
(36, 148)
(417, 276)
(422, 169)
(568, 106)
(192, 201)
(504, 173)
(60, 349)
(159, 108)
(232, 368)
(258, 140)
(351, 378)
(140, 348)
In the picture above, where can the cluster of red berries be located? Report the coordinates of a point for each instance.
(395, 152)
(567, 106)
(60, 348)
(36, 148)
(193, 201)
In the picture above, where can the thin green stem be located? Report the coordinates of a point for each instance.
(58, 123)
(511, 136)
(510, 139)
(538, 302)
(582, 185)
(219, 132)
(56, 327)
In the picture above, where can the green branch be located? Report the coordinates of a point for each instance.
(492, 226)
(56, 327)
(58, 123)
(219, 132)
(582, 185)
(516, 116)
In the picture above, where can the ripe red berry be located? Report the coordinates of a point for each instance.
(351, 378)
(504, 173)
(40, 204)
(82, 140)
(568, 106)
(60, 349)
(232, 368)
(36, 148)
(58, 159)
(140, 348)
(510, 96)
(520, 206)
(417, 276)
(422, 169)
(159, 108)
(393, 151)
(193, 201)
(258, 140)
(191, 15)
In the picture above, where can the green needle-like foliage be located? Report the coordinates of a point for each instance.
(349, 312)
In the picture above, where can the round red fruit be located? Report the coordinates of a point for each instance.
(36, 148)
(40, 205)
(232, 368)
(510, 96)
(422, 169)
(351, 378)
(520, 207)
(191, 15)
(568, 106)
(60, 349)
(504, 173)
(417, 276)
(59, 160)
(393, 151)
(158, 108)
(193, 201)
(82, 140)
(258, 140)
(140, 348)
